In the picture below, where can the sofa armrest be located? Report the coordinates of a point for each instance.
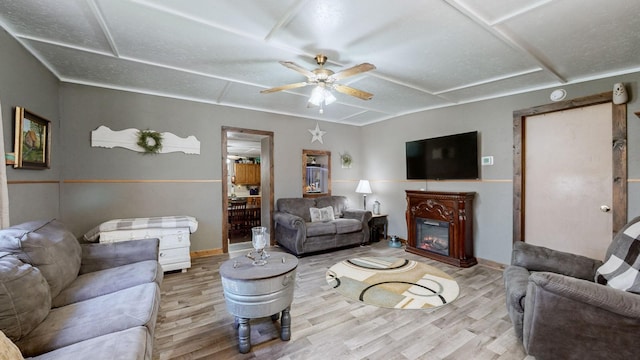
(291, 231)
(362, 215)
(108, 255)
(563, 315)
(538, 258)
(289, 221)
(516, 280)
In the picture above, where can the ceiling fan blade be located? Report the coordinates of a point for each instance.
(284, 87)
(298, 68)
(352, 71)
(353, 92)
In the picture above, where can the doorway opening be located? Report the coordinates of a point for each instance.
(247, 184)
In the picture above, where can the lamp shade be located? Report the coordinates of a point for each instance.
(328, 97)
(320, 95)
(317, 96)
(363, 187)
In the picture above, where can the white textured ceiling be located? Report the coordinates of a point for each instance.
(428, 54)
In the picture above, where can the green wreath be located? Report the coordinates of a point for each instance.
(150, 141)
(346, 160)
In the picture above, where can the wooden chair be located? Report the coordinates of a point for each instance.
(253, 217)
(238, 221)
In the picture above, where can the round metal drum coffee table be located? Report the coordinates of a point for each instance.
(257, 291)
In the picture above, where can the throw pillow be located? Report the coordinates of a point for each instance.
(326, 213)
(621, 269)
(315, 214)
(24, 297)
(8, 350)
(323, 214)
(339, 204)
(47, 245)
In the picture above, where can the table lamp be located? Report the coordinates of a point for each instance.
(364, 188)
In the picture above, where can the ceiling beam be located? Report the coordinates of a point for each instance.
(506, 38)
(97, 13)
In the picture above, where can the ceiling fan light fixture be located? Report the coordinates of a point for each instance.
(321, 96)
(328, 97)
(324, 80)
(317, 96)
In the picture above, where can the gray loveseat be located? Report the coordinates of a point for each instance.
(559, 311)
(60, 299)
(295, 231)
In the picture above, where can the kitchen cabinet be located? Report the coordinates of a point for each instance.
(247, 174)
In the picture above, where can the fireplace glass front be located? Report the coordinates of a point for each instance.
(432, 235)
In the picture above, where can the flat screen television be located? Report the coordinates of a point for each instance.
(452, 157)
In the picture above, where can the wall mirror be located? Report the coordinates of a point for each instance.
(316, 173)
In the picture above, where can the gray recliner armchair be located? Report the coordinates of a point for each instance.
(560, 312)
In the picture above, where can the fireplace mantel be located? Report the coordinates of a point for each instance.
(452, 208)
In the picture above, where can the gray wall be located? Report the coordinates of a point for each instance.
(99, 184)
(493, 119)
(33, 194)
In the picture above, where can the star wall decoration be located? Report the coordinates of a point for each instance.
(317, 134)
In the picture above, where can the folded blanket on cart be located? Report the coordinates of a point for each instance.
(163, 222)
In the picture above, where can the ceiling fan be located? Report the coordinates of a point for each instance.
(325, 80)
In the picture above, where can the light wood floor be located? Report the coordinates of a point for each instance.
(193, 322)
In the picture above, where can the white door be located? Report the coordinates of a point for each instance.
(568, 178)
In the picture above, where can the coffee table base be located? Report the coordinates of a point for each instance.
(244, 329)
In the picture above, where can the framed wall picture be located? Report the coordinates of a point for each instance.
(32, 143)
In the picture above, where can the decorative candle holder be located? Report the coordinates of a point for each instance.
(259, 242)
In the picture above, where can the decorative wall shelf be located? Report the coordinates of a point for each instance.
(127, 138)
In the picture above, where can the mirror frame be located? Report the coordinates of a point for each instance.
(321, 154)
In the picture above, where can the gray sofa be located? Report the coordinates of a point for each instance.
(295, 231)
(560, 312)
(60, 299)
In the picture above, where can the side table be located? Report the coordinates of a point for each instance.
(377, 223)
(252, 291)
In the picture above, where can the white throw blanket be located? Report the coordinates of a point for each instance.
(162, 222)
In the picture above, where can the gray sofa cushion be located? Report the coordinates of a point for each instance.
(345, 226)
(134, 343)
(67, 325)
(47, 245)
(24, 297)
(97, 283)
(297, 206)
(321, 228)
(103, 256)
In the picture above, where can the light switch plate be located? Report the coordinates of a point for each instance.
(487, 160)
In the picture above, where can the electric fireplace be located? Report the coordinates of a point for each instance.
(440, 226)
(432, 235)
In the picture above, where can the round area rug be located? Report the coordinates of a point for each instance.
(393, 283)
